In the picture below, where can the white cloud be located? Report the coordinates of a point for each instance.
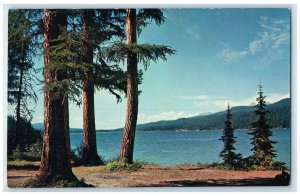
(168, 115)
(271, 98)
(76, 121)
(230, 54)
(193, 97)
(192, 33)
(272, 35)
(215, 104)
(205, 104)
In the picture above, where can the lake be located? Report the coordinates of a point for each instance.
(178, 147)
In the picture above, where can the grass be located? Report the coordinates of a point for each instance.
(123, 166)
(23, 164)
(251, 167)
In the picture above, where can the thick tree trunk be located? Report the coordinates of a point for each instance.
(126, 153)
(89, 131)
(55, 163)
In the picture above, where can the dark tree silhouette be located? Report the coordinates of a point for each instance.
(228, 152)
(263, 149)
(89, 140)
(98, 26)
(22, 47)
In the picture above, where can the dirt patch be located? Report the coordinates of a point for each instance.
(156, 176)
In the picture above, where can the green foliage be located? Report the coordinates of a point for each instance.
(250, 164)
(67, 55)
(79, 156)
(23, 35)
(277, 165)
(119, 51)
(123, 166)
(246, 164)
(223, 166)
(17, 154)
(145, 17)
(34, 151)
(28, 136)
(263, 149)
(111, 78)
(230, 158)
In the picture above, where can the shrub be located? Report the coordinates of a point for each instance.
(34, 151)
(277, 165)
(27, 135)
(237, 166)
(17, 154)
(112, 159)
(123, 166)
(225, 166)
(31, 153)
(79, 157)
(205, 164)
(249, 163)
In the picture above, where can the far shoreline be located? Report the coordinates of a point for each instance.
(182, 130)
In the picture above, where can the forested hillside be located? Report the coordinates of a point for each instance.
(280, 115)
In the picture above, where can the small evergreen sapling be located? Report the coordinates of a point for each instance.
(228, 154)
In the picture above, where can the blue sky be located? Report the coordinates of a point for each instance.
(221, 56)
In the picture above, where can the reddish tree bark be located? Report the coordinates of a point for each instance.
(55, 162)
(126, 153)
(89, 130)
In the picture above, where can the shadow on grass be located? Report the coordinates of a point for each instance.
(22, 177)
(31, 158)
(23, 167)
(221, 182)
(26, 157)
(173, 168)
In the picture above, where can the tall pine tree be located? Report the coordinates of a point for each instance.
(84, 72)
(89, 130)
(228, 153)
(55, 164)
(263, 149)
(98, 27)
(135, 53)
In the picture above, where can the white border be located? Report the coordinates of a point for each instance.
(156, 3)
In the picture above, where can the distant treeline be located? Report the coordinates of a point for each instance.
(280, 117)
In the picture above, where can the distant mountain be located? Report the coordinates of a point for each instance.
(38, 126)
(243, 116)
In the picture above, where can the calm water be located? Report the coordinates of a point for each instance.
(172, 147)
